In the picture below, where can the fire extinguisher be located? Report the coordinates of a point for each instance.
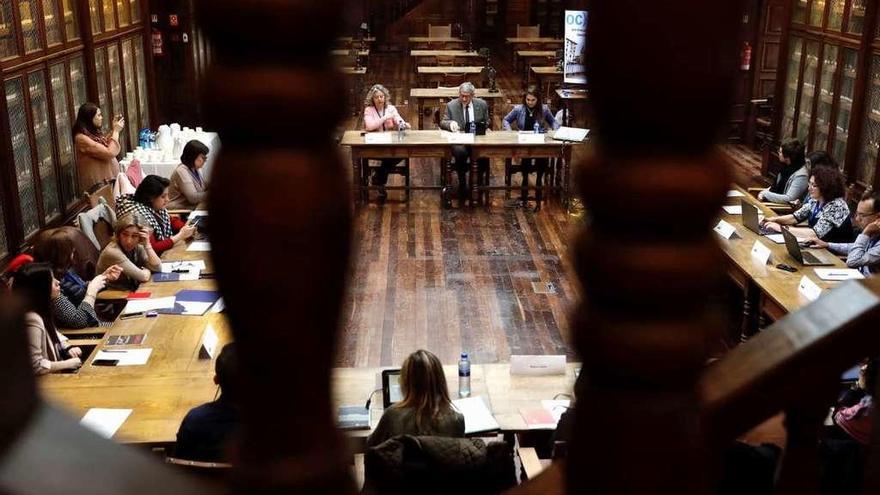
(745, 61)
(157, 42)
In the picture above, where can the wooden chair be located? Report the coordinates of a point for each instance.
(400, 169)
(452, 80)
(511, 168)
(528, 31)
(443, 31)
(97, 223)
(445, 61)
(216, 471)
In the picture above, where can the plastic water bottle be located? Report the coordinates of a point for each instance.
(473, 130)
(401, 131)
(537, 128)
(464, 376)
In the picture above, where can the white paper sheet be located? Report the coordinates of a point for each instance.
(733, 193)
(733, 209)
(529, 138)
(199, 246)
(126, 357)
(837, 274)
(778, 239)
(477, 416)
(377, 138)
(556, 407)
(142, 305)
(218, 306)
(540, 365)
(104, 422)
(198, 213)
(170, 266)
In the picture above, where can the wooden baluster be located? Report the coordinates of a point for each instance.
(648, 262)
(280, 212)
(798, 472)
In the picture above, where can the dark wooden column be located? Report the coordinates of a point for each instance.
(659, 75)
(280, 207)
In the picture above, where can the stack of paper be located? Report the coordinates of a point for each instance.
(105, 422)
(733, 193)
(143, 305)
(477, 416)
(199, 246)
(126, 357)
(733, 210)
(838, 274)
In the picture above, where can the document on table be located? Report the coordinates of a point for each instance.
(838, 274)
(733, 193)
(556, 407)
(104, 422)
(477, 416)
(199, 246)
(733, 209)
(778, 239)
(458, 137)
(170, 266)
(142, 305)
(576, 134)
(126, 357)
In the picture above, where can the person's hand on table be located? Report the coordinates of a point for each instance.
(73, 363)
(75, 352)
(817, 243)
(453, 126)
(761, 194)
(770, 225)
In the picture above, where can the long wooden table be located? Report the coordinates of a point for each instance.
(546, 74)
(446, 41)
(459, 56)
(435, 73)
(422, 94)
(767, 289)
(345, 53)
(526, 58)
(544, 41)
(434, 144)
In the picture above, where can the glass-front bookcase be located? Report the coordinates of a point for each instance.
(830, 97)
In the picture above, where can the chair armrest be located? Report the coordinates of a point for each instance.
(755, 189)
(530, 463)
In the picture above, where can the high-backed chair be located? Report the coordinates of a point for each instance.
(97, 223)
(528, 31)
(452, 80)
(445, 61)
(444, 31)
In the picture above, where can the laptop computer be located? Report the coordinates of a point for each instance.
(805, 258)
(750, 219)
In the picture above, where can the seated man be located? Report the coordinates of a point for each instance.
(460, 112)
(864, 253)
(206, 430)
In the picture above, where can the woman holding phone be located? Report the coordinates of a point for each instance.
(95, 152)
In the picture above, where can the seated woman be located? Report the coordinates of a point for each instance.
(95, 152)
(49, 350)
(132, 251)
(526, 116)
(425, 409)
(75, 306)
(380, 115)
(815, 159)
(188, 188)
(826, 213)
(791, 181)
(150, 201)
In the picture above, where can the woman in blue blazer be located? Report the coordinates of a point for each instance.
(526, 116)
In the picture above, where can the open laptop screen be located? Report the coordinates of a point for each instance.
(391, 387)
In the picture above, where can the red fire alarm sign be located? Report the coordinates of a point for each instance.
(173, 20)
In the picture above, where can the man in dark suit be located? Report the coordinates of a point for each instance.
(459, 115)
(206, 430)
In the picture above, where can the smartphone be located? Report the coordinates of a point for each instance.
(788, 268)
(105, 362)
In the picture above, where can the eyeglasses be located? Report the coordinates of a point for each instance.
(864, 215)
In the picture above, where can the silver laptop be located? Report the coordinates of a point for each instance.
(805, 258)
(750, 219)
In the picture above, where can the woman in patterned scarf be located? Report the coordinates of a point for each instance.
(95, 152)
(150, 201)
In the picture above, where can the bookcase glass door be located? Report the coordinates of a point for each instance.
(51, 22)
(817, 12)
(131, 118)
(870, 141)
(78, 83)
(826, 97)
(115, 68)
(44, 144)
(808, 90)
(856, 17)
(141, 82)
(791, 86)
(61, 104)
(845, 99)
(21, 148)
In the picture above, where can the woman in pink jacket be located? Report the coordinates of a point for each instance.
(380, 116)
(95, 152)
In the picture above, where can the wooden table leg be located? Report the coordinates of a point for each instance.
(751, 311)
(357, 189)
(419, 109)
(473, 177)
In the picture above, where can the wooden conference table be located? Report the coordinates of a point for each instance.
(457, 56)
(436, 72)
(175, 379)
(436, 144)
(768, 290)
(448, 42)
(422, 94)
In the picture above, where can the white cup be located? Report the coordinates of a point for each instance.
(199, 129)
